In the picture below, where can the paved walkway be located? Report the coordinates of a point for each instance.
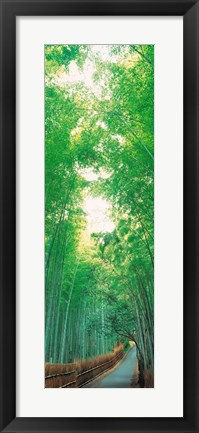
(121, 377)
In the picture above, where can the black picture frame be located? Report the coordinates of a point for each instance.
(9, 11)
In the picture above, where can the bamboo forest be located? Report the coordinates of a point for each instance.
(99, 213)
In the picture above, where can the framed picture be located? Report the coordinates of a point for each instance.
(99, 206)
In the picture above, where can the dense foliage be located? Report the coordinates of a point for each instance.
(99, 141)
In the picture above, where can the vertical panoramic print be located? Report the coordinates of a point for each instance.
(99, 216)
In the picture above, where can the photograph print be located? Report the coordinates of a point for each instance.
(99, 216)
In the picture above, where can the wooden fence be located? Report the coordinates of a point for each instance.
(78, 374)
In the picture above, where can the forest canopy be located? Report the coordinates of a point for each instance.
(99, 200)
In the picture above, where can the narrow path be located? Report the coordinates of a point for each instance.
(122, 376)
